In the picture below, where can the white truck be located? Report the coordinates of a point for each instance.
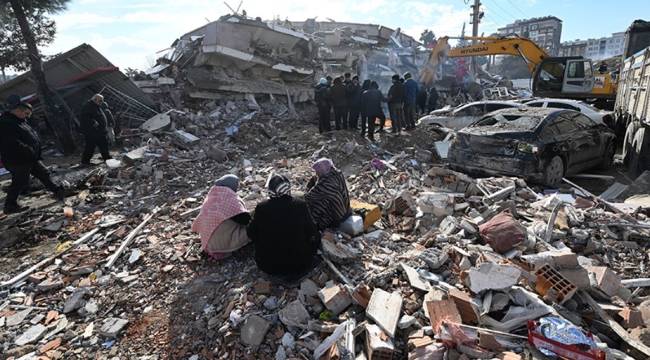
(632, 107)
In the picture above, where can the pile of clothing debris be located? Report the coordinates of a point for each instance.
(445, 267)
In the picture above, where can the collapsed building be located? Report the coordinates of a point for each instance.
(238, 55)
(75, 76)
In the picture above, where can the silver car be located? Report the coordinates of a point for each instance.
(597, 115)
(464, 115)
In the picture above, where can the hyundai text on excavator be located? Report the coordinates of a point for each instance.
(558, 77)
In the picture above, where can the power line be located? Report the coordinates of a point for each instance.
(504, 10)
(517, 8)
(493, 16)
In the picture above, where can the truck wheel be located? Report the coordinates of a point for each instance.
(608, 156)
(554, 171)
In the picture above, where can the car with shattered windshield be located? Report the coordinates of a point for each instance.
(540, 144)
(463, 115)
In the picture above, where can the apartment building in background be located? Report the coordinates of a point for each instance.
(544, 31)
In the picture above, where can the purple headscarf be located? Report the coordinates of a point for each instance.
(322, 166)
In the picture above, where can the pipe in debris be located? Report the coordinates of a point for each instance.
(26, 273)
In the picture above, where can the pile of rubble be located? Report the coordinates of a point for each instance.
(446, 267)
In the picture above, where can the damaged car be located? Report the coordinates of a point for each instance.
(597, 115)
(461, 116)
(542, 145)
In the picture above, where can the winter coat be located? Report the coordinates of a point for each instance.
(321, 95)
(329, 200)
(410, 91)
(396, 93)
(371, 102)
(93, 120)
(353, 95)
(19, 142)
(284, 235)
(337, 94)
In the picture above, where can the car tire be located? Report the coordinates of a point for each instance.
(554, 171)
(608, 156)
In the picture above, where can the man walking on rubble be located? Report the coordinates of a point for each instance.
(371, 100)
(20, 150)
(339, 102)
(95, 127)
(395, 100)
(321, 95)
(353, 96)
(410, 97)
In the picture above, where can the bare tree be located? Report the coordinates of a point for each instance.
(59, 121)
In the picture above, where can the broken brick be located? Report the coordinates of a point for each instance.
(553, 286)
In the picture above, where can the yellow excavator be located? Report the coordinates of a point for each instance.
(559, 77)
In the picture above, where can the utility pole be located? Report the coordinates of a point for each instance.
(477, 14)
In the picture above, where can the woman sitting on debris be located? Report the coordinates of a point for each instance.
(223, 219)
(284, 234)
(328, 198)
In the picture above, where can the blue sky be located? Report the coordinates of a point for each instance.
(130, 32)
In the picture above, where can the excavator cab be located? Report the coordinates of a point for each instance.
(564, 77)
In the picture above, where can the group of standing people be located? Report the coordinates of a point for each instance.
(284, 229)
(351, 101)
(20, 145)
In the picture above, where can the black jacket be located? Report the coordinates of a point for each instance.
(93, 119)
(371, 102)
(284, 235)
(353, 95)
(396, 93)
(19, 142)
(321, 95)
(337, 94)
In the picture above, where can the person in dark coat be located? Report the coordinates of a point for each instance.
(94, 126)
(432, 102)
(20, 150)
(283, 233)
(395, 100)
(421, 99)
(410, 97)
(321, 95)
(353, 95)
(339, 103)
(347, 79)
(371, 100)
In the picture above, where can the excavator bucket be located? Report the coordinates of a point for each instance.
(428, 73)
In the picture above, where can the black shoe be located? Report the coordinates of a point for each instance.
(14, 209)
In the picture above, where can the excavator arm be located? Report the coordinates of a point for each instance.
(517, 46)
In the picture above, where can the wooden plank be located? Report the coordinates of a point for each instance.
(113, 258)
(641, 351)
(384, 309)
(414, 278)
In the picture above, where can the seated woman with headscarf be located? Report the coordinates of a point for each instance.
(328, 198)
(283, 233)
(223, 219)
